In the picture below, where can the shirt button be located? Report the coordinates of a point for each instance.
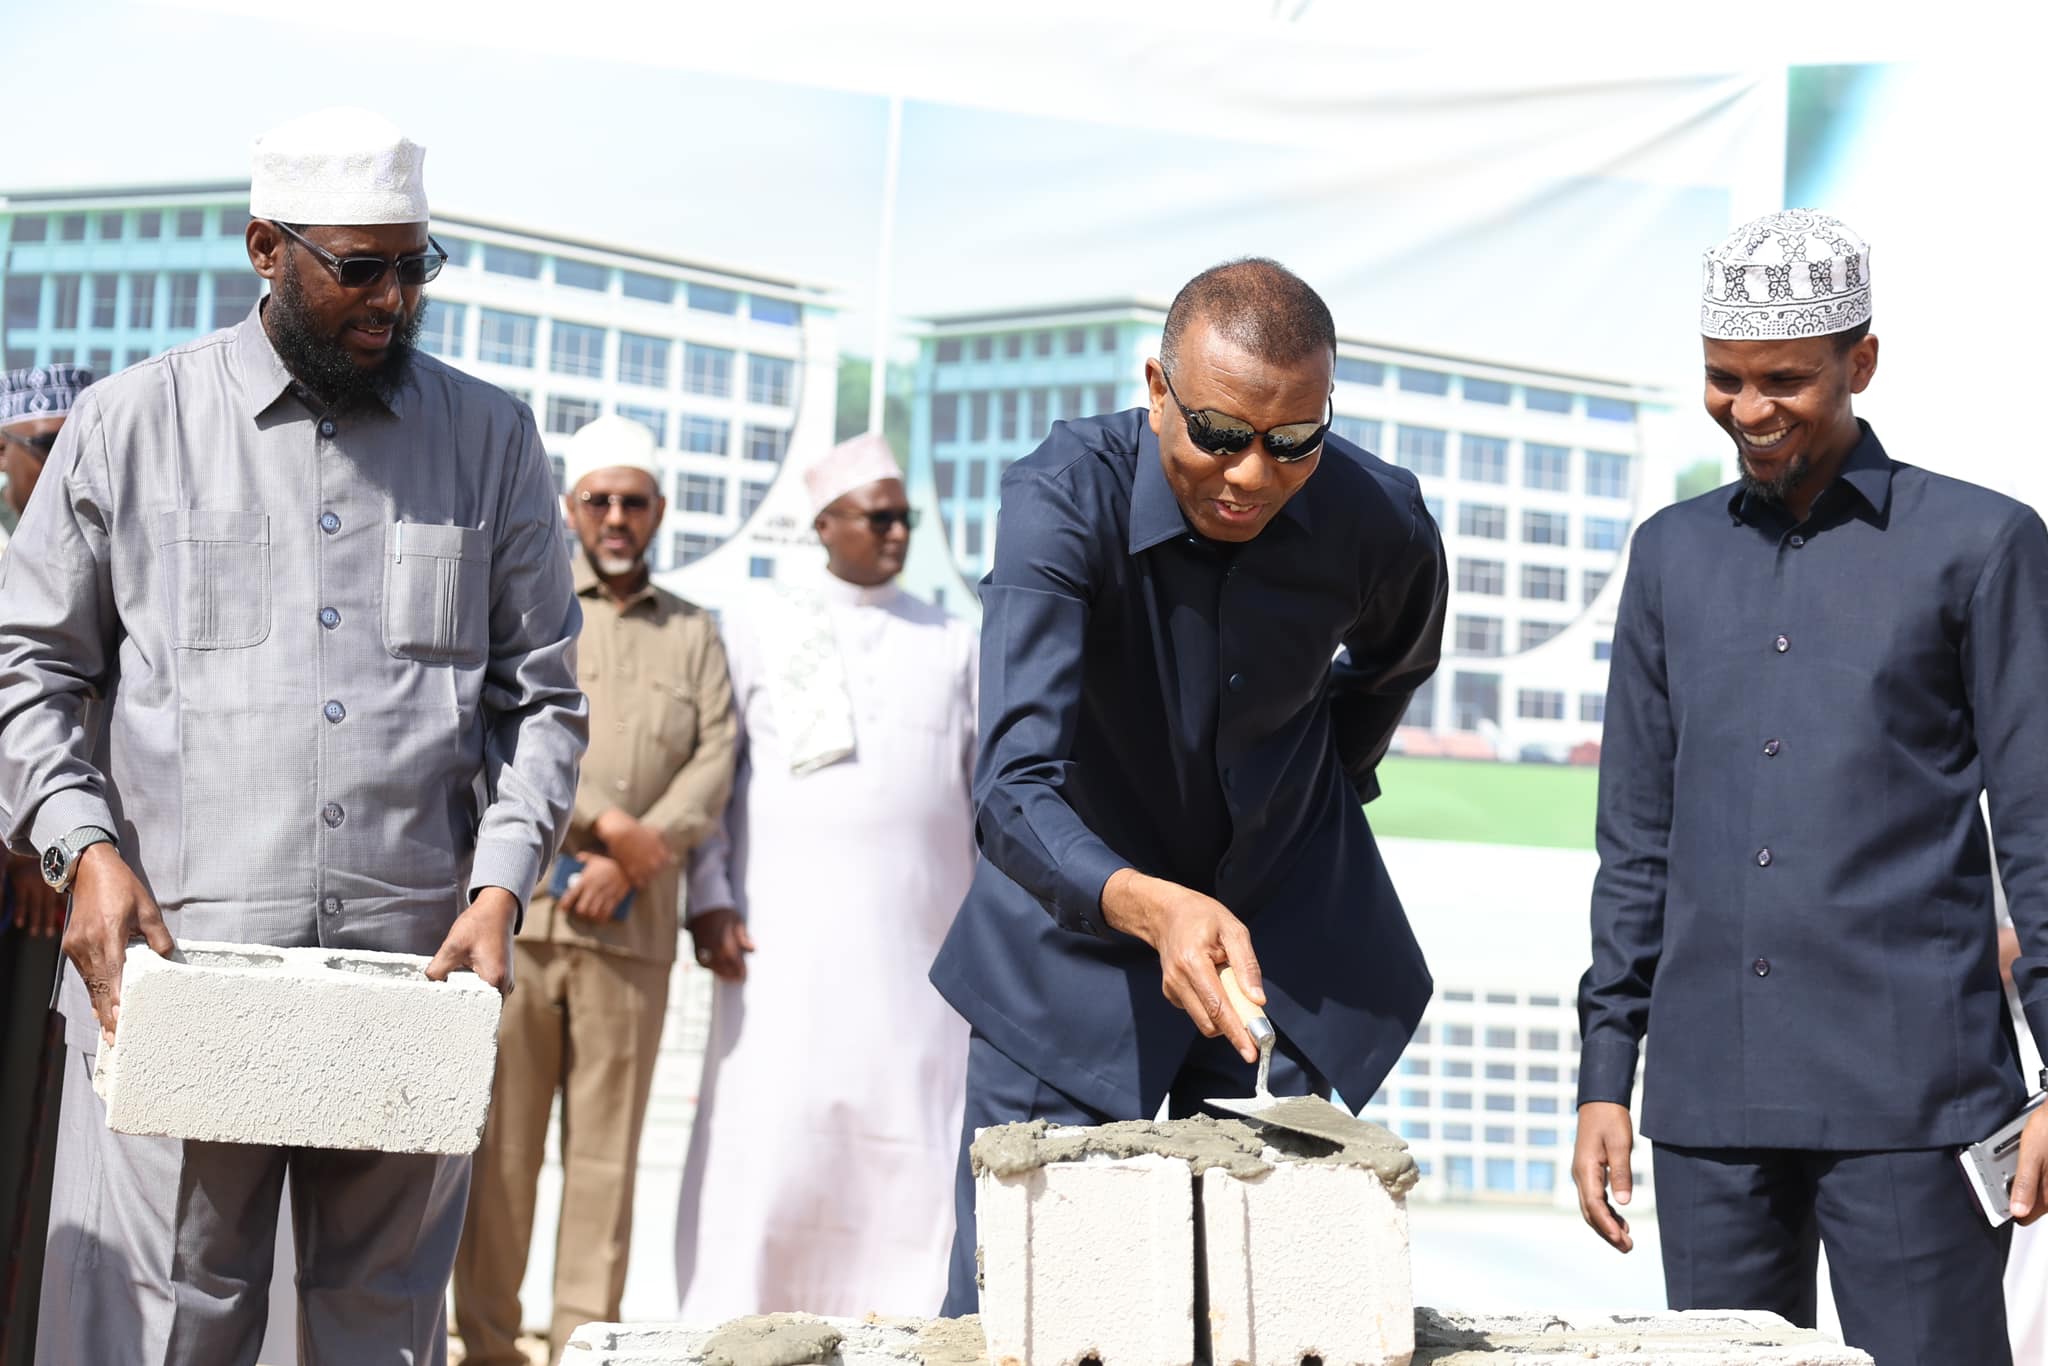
(1771, 748)
(329, 618)
(1761, 967)
(1782, 644)
(1237, 682)
(620, 784)
(334, 711)
(1796, 542)
(330, 522)
(327, 426)
(332, 905)
(332, 814)
(1763, 858)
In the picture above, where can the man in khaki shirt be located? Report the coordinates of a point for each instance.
(594, 955)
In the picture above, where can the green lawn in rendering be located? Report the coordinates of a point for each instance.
(1485, 802)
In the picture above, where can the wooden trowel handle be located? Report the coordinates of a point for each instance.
(1254, 1017)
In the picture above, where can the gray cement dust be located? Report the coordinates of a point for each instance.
(772, 1340)
(1246, 1151)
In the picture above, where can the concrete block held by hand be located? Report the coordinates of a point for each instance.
(301, 1047)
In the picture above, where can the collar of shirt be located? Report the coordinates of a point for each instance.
(1155, 512)
(265, 379)
(588, 585)
(1867, 473)
(832, 588)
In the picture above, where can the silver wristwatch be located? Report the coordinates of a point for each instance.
(60, 860)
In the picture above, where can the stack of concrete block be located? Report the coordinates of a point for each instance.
(1698, 1339)
(1704, 1338)
(780, 1340)
(302, 1047)
(1246, 1255)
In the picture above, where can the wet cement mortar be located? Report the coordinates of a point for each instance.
(772, 1340)
(1301, 1130)
(806, 1340)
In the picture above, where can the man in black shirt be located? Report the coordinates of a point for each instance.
(1171, 764)
(1817, 671)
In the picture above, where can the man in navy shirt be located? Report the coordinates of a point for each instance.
(1817, 672)
(1171, 764)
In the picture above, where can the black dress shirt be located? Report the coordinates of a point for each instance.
(1794, 897)
(1154, 700)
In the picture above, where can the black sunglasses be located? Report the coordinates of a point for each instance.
(41, 445)
(1222, 434)
(360, 272)
(605, 502)
(880, 520)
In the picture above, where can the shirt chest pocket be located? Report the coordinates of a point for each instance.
(436, 593)
(217, 568)
(675, 720)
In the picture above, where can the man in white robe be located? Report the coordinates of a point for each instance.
(820, 1171)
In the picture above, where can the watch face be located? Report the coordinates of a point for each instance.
(53, 864)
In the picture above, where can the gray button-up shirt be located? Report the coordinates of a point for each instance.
(337, 652)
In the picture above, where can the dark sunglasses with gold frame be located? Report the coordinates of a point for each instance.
(1222, 434)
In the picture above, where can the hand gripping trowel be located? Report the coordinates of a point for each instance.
(1311, 1115)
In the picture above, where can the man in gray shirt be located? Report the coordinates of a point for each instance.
(319, 582)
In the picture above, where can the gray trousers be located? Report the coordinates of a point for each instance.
(160, 1251)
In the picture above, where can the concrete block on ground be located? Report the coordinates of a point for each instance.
(302, 1047)
(1701, 1338)
(1306, 1260)
(781, 1340)
(1089, 1258)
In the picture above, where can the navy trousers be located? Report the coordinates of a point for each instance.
(1001, 1092)
(1916, 1269)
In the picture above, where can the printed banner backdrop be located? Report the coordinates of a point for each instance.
(1506, 212)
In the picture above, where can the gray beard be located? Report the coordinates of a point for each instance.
(615, 568)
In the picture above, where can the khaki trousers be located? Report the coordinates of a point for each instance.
(586, 1024)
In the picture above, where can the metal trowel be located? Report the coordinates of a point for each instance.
(1311, 1115)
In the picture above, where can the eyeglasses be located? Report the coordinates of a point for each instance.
(360, 272)
(605, 502)
(1222, 434)
(880, 520)
(41, 445)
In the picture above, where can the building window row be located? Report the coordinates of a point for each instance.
(1040, 344)
(1485, 460)
(1014, 414)
(1489, 522)
(1415, 379)
(571, 272)
(65, 303)
(112, 226)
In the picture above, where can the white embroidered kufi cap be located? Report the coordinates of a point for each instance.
(608, 443)
(338, 167)
(850, 465)
(1792, 274)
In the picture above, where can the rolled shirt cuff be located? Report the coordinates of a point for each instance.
(1607, 1070)
(63, 812)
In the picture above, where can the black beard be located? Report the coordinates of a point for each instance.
(1773, 490)
(322, 364)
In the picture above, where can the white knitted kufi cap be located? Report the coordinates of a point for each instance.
(1798, 273)
(338, 167)
(849, 465)
(606, 443)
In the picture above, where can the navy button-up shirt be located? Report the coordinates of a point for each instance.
(1794, 897)
(1154, 700)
